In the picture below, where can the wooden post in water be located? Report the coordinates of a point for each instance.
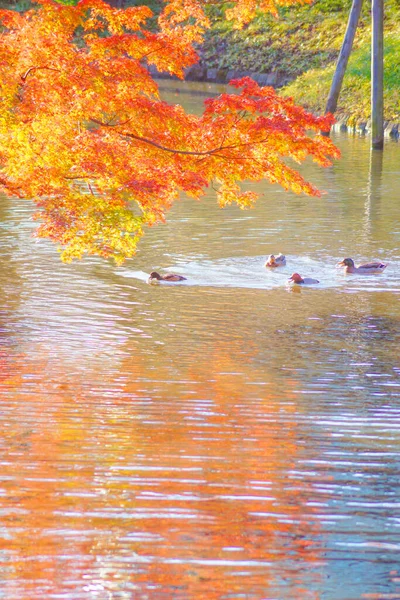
(374, 193)
(377, 74)
(343, 58)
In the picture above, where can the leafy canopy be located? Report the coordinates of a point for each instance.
(86, 136)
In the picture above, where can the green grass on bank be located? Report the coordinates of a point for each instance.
(311, 88)
(303, 36)
(304, 45)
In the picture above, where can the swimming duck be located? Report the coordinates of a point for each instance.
(276, 261)
(365, 269)
(155, 277)
(296, 278)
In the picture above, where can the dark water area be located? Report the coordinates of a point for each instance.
(230, 437)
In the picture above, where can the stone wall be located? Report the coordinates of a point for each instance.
(200, 73)
(359, 127)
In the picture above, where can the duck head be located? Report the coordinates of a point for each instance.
(296, 278)
(155, 275)
(346, 262)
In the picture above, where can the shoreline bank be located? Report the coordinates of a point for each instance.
(344, 123)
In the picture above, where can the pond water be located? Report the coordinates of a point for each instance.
(229, 437)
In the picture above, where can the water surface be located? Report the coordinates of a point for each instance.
(229, 437)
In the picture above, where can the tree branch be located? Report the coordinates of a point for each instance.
(23, 77)
(172, 150)
(13, 190)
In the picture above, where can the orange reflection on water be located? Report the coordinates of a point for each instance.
(178, 481)
(249, 515)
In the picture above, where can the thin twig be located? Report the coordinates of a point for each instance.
(23, 77)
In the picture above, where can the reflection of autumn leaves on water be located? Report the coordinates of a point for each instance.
(248, 517)
(179, 483)
(35, 475)
(6, 374)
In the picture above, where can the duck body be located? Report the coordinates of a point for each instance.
(276, 261)
(364, 269)
(155, 277)
(298, 279)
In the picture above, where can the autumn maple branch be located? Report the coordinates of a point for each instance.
(50, 146)
(23, 77)
(159, 146)
(13, 190)
(174, 151)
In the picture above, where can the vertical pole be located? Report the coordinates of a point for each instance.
(373, 197)
(377, 74)
(343, 58)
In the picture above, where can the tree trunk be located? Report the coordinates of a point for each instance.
(377, 74)
(343, 58)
